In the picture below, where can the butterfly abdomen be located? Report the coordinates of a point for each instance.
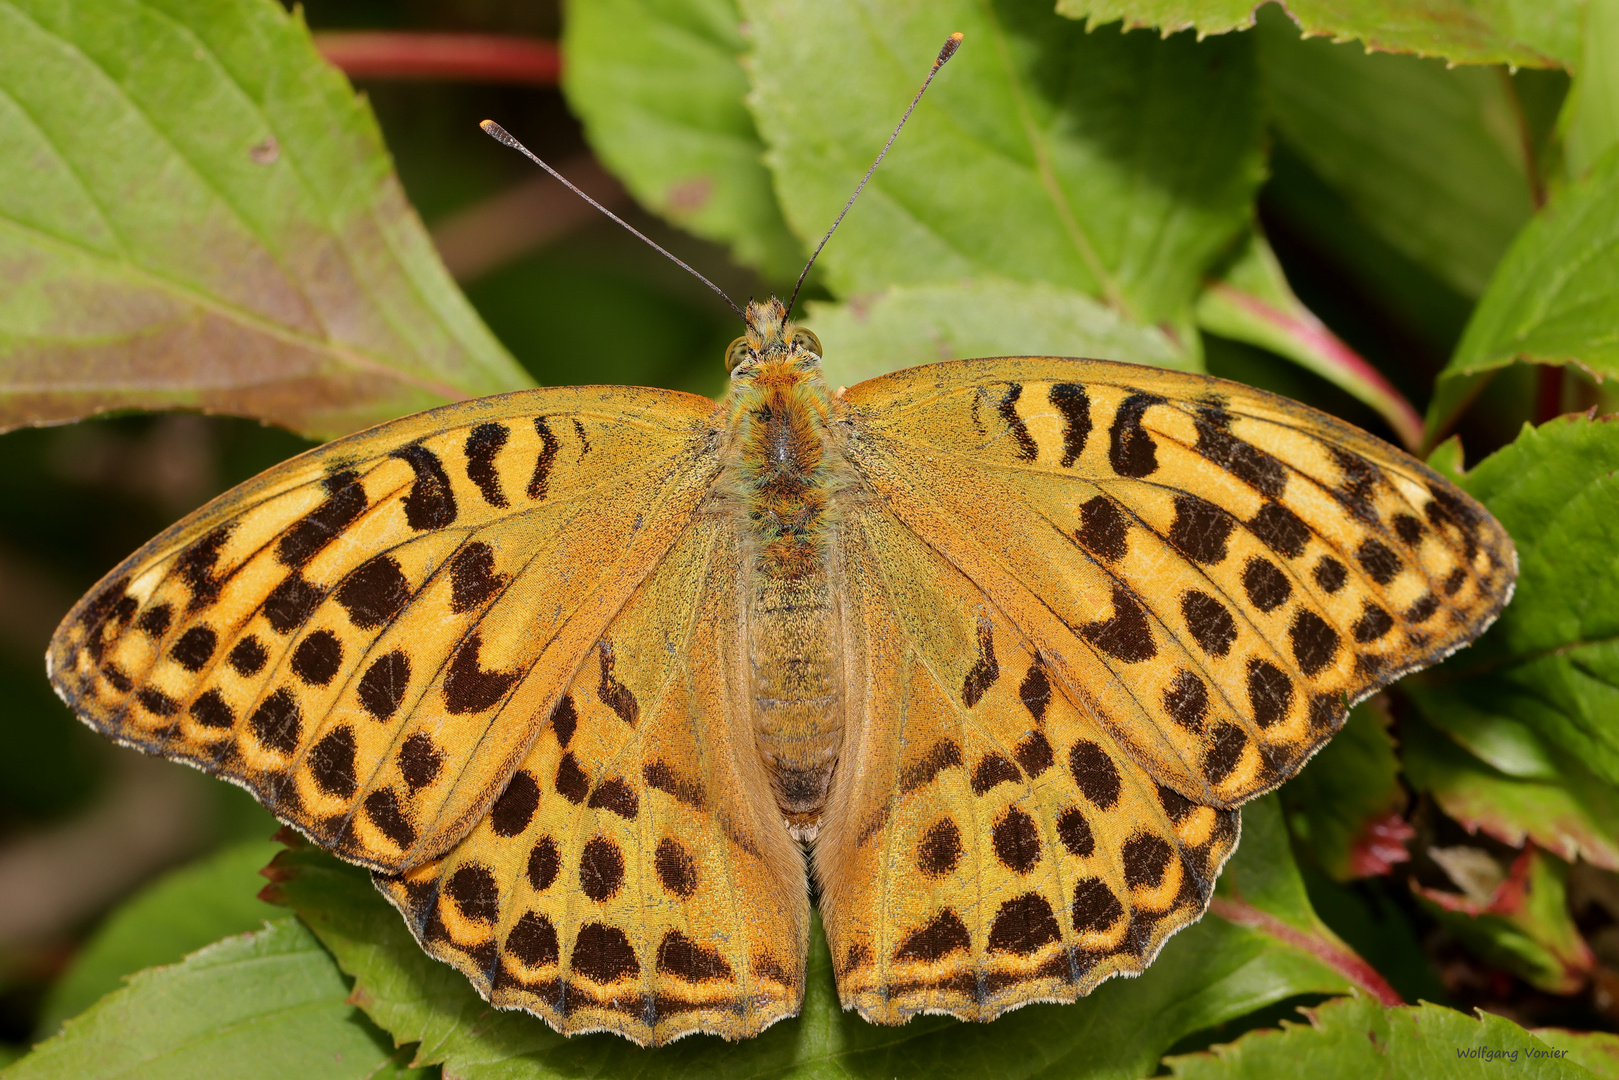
(786, 472)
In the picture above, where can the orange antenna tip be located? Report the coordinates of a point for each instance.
(951, 44)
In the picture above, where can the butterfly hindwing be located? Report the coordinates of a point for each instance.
(635, 876)
(1214, 571)
(989, 843)
(366, 636)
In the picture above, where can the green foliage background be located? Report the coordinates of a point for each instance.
(199, 212)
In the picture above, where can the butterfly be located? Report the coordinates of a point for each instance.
(598, 680)
(583, 673)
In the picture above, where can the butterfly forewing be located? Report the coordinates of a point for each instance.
(635, 876)
(433, 582)
(1213, 571)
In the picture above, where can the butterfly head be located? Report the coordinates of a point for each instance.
(771, 337)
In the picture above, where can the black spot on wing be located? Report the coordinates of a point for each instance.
(468, 687)
(1027, 449)
(945, 754)
(601, 869)
(942, 935)
(1074, 404)
(382, 687)
(1359, 487)
(1035, 691)
(473, 578)
(345, 501)
(1016, 841)
(211, 711)
(985, 671)
(1236, 456)
(1131, 450)
(676, 869)
(374, 593)
(1281, 530)
(1200, 529)
(317, 658)
(291, 603)
(1378, 560)
(614, 694)
(603, 954)
(515, 808)
(195, 647)
(1125, 636)
(420, 761)
(994, 769)
(539, 485)
(1095, 773)
(276, 723)
(331, 762)
(431, 502)
(1211, 624)
(1103, 530)
(1022, 925)
(247, 658)
(196, 566)
(683, 958)
(940, 849)
(483, 445)
(1265, 584)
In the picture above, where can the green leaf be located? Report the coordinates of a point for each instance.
(1522, 924)
(1596, 1050)
(270, 1004)
(919, 324)
(1125, 184)
(659, 85)
(1591, 116)
(200, 213)
(212, 898)
(1431, 158)
(1555, 296)
(1210, 973)
(1345, 807)
(1551, 662)
(1354, 1037)
(1571, 814)
(1253, 302)
(1530, 33)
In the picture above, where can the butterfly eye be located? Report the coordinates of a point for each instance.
(735, 353)
(804, 339)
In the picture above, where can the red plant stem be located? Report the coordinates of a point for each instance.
(378, 54)
(1349, 963)
(1549, 399)
(1305, 328)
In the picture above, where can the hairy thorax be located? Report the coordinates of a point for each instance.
(787, 474)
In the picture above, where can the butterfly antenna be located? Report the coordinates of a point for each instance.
(500, 134)
(951, 44)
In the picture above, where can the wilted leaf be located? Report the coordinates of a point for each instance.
(1431, 158)
(1571, 813)
(1356, 1038)
(918, 324)
(1345, 807)
(213, 898)
(199, 213)
(1522, 924)
(1124, 183)
(1531, 33)
(1551, 663)
(1210, 973)
(660, 87)
(270, 1004)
